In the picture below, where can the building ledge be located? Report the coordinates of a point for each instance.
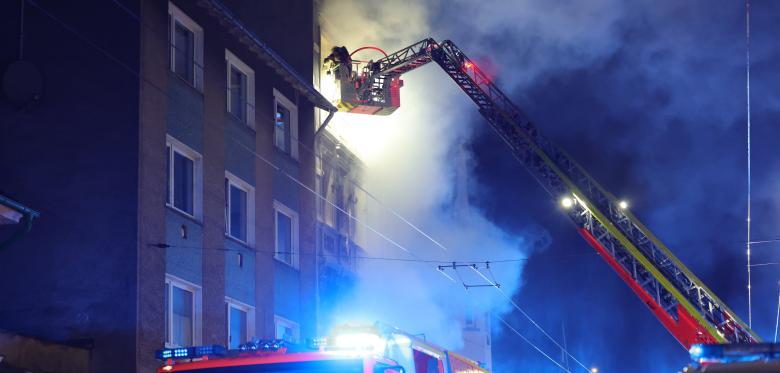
(244, 35)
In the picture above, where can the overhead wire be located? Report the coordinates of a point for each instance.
(525, 314)
(313, 152)
(749, 186)
(243, 248)
(530, 343)
(777, 318)
(111, 57)
(765, 264)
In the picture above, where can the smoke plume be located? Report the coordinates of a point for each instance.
(416, 164)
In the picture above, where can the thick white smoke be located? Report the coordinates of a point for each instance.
(416, 164)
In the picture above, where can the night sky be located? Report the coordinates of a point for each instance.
(657, 114)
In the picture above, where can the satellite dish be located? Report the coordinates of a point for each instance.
(22, 84)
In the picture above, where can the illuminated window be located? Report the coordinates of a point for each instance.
(240, 322)
(184, 184)
(182, 312)
(239, 209)
(241, 89)
(286, 222)
(186, 44)
(285, 125)
(286, 330)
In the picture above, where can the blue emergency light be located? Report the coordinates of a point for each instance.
(190, 352)
(732, 353)
(262, 345)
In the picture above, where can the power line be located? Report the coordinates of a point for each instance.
(271, 164)
(747, 73)
(765, 264)
(777, 318)
(533, 322)
(768, 240)
(358, 257)
(531, 343)
(314, 153)
(164, 93)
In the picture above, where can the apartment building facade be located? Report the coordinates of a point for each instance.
(341, 240)
(170, 151)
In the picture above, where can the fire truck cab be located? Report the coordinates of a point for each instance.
(359, 350)
(281, 361)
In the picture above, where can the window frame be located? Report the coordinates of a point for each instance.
(280, 208)
(233, 180)
(197, 309)
(280, 98)
(177, 15)
(279, 320)
(173, 145)
(250, 317)
(231, 61)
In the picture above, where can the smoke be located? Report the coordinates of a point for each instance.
(417, 164)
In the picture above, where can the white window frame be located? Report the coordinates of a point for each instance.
(280, 98)
(250, 317)
(177, 15)
(250, 208)
(293, 215)
(197, 176)
(232, 61)
(296, 328)
(197, 309)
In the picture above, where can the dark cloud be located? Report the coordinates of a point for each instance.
(657, 117)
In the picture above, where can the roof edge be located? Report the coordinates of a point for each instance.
(265, 53)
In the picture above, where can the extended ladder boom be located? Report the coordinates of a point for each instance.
(684, 305)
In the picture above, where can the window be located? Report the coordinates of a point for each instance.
(241, 90)
(182, 312)
(184, 186)
(286, 330)
(285, 125)
(329, 243)
(239, 209)
(186, 39)
(469, 320)
(240, 321)
(286, 222)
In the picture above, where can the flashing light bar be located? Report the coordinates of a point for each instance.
(732, 353)
(190, 352)
(263, 345)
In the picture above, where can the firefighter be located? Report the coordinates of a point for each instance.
(339, 63)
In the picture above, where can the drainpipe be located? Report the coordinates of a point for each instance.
(325, 123)
(317, 246)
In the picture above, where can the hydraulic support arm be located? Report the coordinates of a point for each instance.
(684, 305)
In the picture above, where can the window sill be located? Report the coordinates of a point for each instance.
(183, 214)
(243, 122)
(238, 241)
(287, 264)
(186, 82)
(286, 155)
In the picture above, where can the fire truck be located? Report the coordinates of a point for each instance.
(350, 349)
(702, 323)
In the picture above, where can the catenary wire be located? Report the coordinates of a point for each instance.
(244, 249)
(312, 151)
(530, 343)
(119, 62)
(520, 309)
(777, 318)
(749, 186)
